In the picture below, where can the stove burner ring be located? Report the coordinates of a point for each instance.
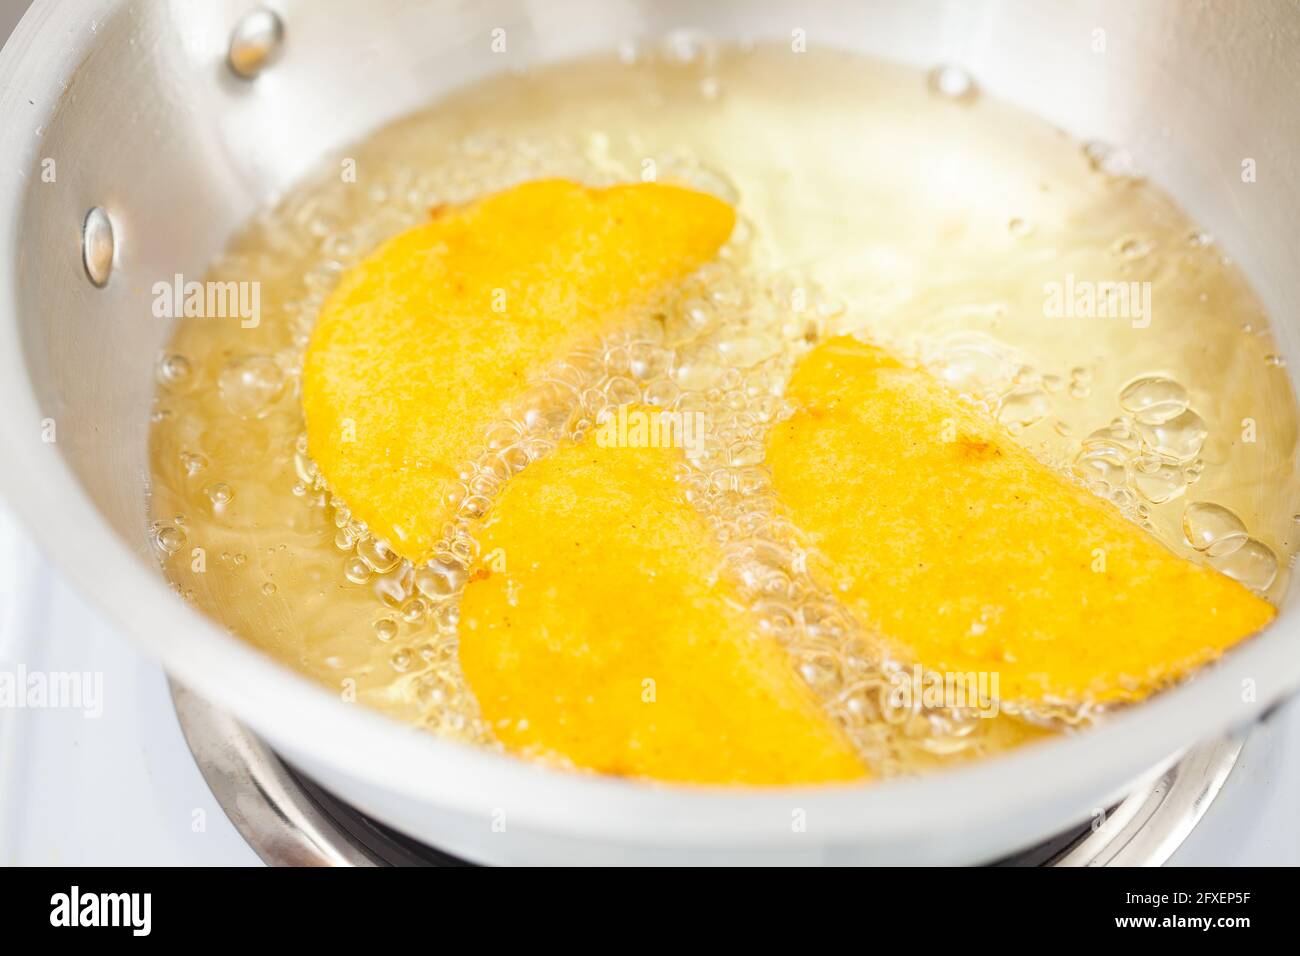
(289, 820)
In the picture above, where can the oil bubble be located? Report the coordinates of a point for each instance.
(1023, 407)
(440, 578)
(250, 385)
(1153, 400)
(953, 83)
(377, 555)
(173, 369)
(1158, 480)
(169, 539)
(1253, 564)
(356, 571)
(1180, 437)
(1106, 465)
(219, 494)
(1213, 528)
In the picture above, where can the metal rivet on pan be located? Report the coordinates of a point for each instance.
(255, 43)
(97, 245)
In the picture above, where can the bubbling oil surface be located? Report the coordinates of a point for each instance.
(872, 199)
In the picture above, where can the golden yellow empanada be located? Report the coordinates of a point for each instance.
(421, 345)
(965, 553)
(613, 638)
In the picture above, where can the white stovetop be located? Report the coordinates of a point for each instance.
(123, 789)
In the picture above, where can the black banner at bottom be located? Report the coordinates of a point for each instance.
(315, 906)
